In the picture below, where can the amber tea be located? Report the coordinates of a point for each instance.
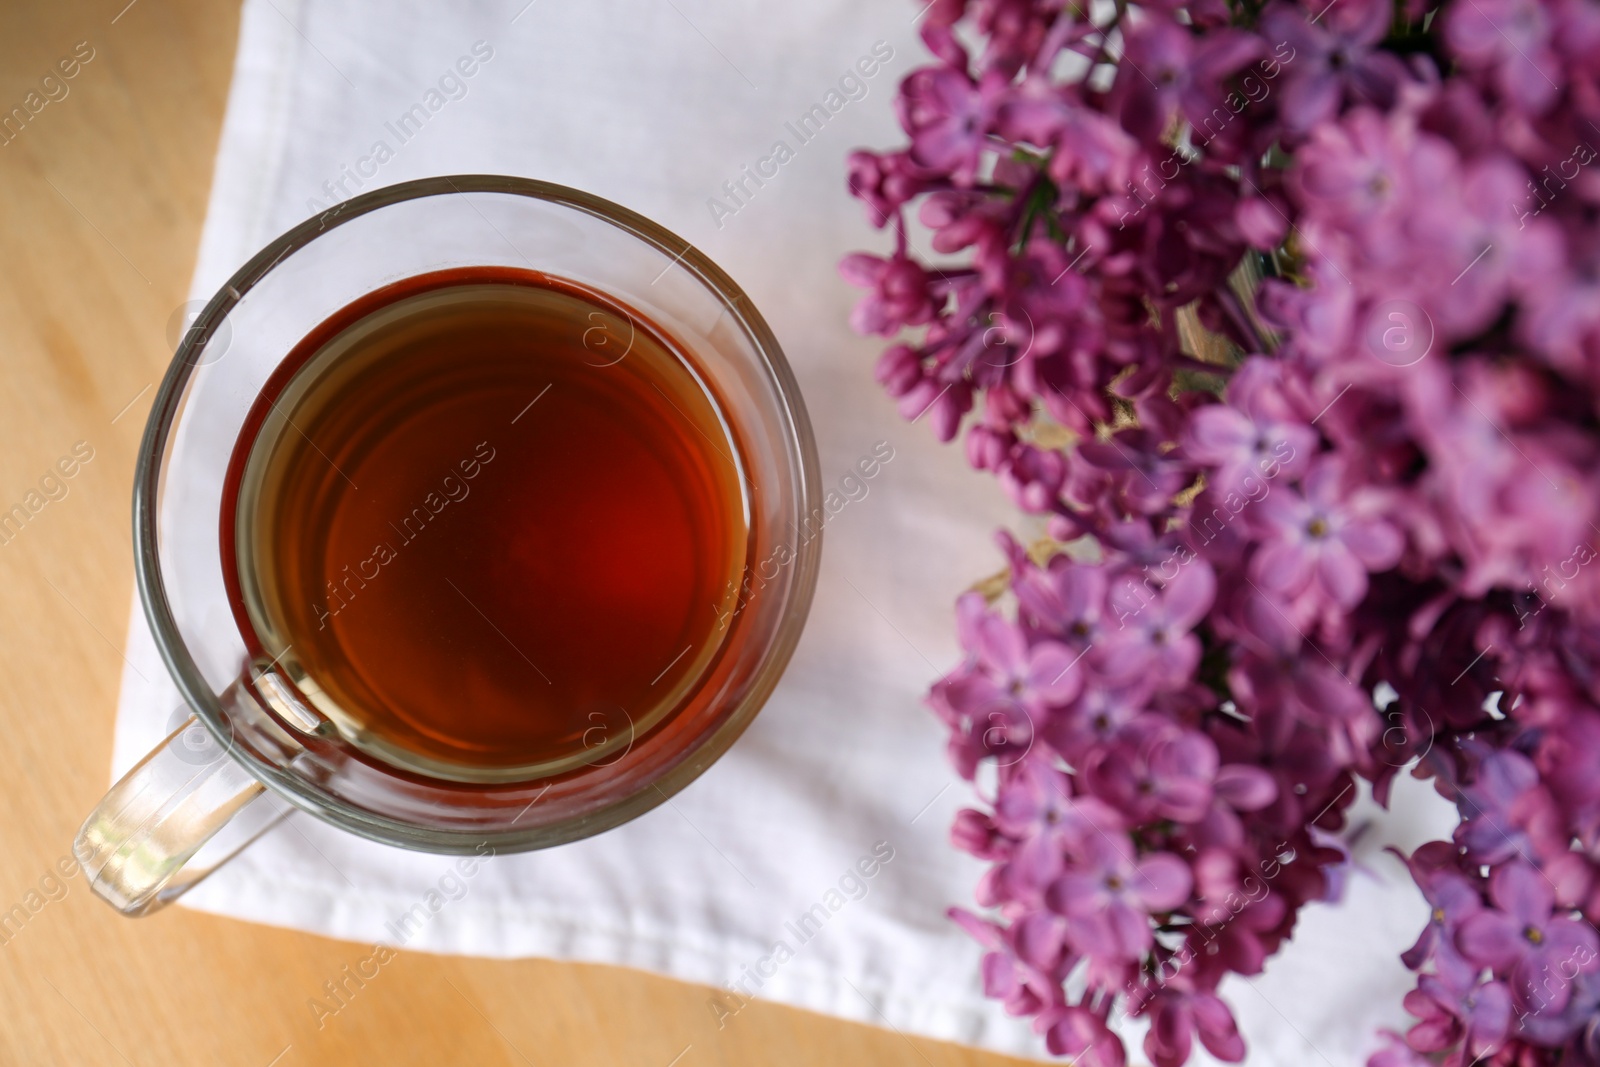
(487, 522)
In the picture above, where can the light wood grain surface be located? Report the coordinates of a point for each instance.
(102, 195)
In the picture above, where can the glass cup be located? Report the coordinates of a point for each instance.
(242, 744)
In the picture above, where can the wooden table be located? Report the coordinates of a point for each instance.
(104, 192)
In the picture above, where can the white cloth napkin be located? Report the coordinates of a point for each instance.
(656, 104)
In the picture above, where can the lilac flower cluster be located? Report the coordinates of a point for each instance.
(1284, 318)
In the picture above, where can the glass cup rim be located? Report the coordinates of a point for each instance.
(166, 410)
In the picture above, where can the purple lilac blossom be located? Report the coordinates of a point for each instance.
(1380, 471)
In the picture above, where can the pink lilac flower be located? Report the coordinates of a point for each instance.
(1300, 533)
(1507, 813)
(1538, 1023)
(900, 294)
(1168, 70)
(1065, 600)
(1512, 39)
(884, 183)
(1155, 769)
(1453, 898)
(1254, 438)
(1032, 477)
(1335, 58)
(1524, 939)
(1091, 721)
(1176, 1018)
(1152, 639)
(1083, 1036)
(1359, 171)
(1143, 478)
(1324, 535)
(1476, 1017)
(1493, 253)
(948, 117)
(1018, 971)
(1009, 668)
(1036, 811)
(1108, 895)
(1568, 761)
(1006, 689)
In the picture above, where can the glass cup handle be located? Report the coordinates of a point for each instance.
(151, 838)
